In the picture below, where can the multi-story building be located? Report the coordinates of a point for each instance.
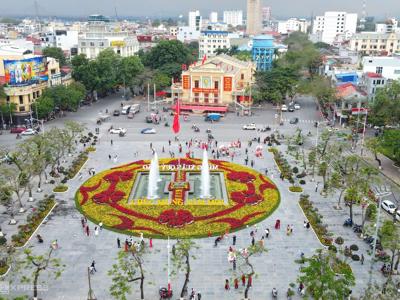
(233, 17)
(266, 14)
(211, 40)
(186, 34)
(390, 25)
(334, 24)
(214, 84)
(373, 43)
(25, 76)
(262, 52)
(388, 67)
(254, 17)
(100, 36)
(291, 25)
(195, 20)
(173, 31)
(213, 18)
(371, 82)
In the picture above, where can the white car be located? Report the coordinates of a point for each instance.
(251, 126)
(29, 131)
(297, 106)
(398, 216)
(284, 107)
(388, 206)
(148, 131)
(118, 130)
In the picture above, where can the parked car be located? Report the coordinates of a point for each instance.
(149, 119)
(388, 206)
(297, 106)
(291, 108)
(18, 129)
(148, 131)
(294, 121)
(250, 126)
(125, 110)
(284, 108)
(29, 131)
(116, 113)
(130, 115)
(212, 117)
(118, 130)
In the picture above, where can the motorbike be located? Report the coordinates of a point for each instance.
(357, 228)
(164, 293)
(348, 223)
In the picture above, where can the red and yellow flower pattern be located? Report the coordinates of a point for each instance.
(104, 198)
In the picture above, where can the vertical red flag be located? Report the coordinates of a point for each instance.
(176, 126)
(204, 59)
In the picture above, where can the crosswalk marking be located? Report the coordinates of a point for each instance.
(301, 121)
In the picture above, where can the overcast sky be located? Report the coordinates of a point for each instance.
(157, 8)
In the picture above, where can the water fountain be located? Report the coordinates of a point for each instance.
(205, 177)
(157, 167)
(154, 176)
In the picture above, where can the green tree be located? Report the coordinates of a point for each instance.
(389, 235)
(39, 264)
(107, 63)
(387, 291)
(320, 278)
(44, 105)
(244, 265)
(373, 144)
(7, 110)
(385, 108)
(128, 269)
(181, 261)
(161, 80)
(56, 53)
(128, 69)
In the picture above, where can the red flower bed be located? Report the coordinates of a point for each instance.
(108, 196)
(118, 175)
(247, 197)
(182, 161)
(175, 218)
(242, 177)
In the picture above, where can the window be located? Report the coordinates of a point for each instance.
(101, 44)
(206, 97)
(396, 72)
(374, 82)
(215, 98)
(383, 81)
(196, 84)
(22, 108)
(215, 84)
(196, 97)
(379, 70)
(91, 44)
(378, 81)
(242, 76)
(21, 99)
(83, 44)
(29, 97)
(119, 52)
(53, 71)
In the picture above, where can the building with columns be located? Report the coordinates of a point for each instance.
(216, 82)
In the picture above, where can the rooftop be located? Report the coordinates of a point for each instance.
(373, 75)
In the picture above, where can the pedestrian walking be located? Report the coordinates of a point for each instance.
(316, 187)
(101, 226)
(236, 283)
(278, 224)
(198, 296)
(141, 236)
(83, 222)
(288, 230)
(96, 231)
(362, 259)
(305, 223)
(111, 142)
(109, 156)
(234, 264)
(243, 280)
(126, 245)
(227, 284)
(118, 243)
(250, 281)
(87, 230)
(234, 240)
(267, 233)
(93, 266)
(192, 295)
(151, 243)
(253, 241)
(80, 175)
(308, 225)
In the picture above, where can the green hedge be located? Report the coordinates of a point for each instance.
(60, 188)
(77, 165)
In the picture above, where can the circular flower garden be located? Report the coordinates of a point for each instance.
(104, 198)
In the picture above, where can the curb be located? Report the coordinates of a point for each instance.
(5, 274)
(37, 228)
(312, 228)
(77, 173)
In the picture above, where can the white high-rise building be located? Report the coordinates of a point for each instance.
(211, 40)
(213, 18)
(334, 24)
(293, 24)
(195, 20)
(233, 17)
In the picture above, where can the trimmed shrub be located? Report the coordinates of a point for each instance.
(60, 188)
(302, 182)
(339, 240)
(295, 170)
(332, 248)
(355, 257)
(295, 189)
(354, 247)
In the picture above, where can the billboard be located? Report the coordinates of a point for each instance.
(25, 71)
(227, 84)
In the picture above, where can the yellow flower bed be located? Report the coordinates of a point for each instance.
(106, 200)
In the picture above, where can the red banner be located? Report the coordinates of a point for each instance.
(200, 90)
(227, 84)
(186, 82)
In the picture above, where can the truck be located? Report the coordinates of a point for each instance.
(213, 117)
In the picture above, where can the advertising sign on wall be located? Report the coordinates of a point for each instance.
(227, 84)
(25, 71)
(186, 82)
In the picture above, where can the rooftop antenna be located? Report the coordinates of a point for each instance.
(363, 19)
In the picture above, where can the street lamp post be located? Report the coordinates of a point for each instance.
(380, 193)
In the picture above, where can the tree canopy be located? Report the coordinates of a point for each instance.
(56, 53)
(385, 109)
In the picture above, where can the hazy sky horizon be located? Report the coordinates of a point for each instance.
(173, 8)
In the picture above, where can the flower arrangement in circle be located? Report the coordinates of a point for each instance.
(104, 198)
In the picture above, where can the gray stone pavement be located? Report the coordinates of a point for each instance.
(275, 268)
